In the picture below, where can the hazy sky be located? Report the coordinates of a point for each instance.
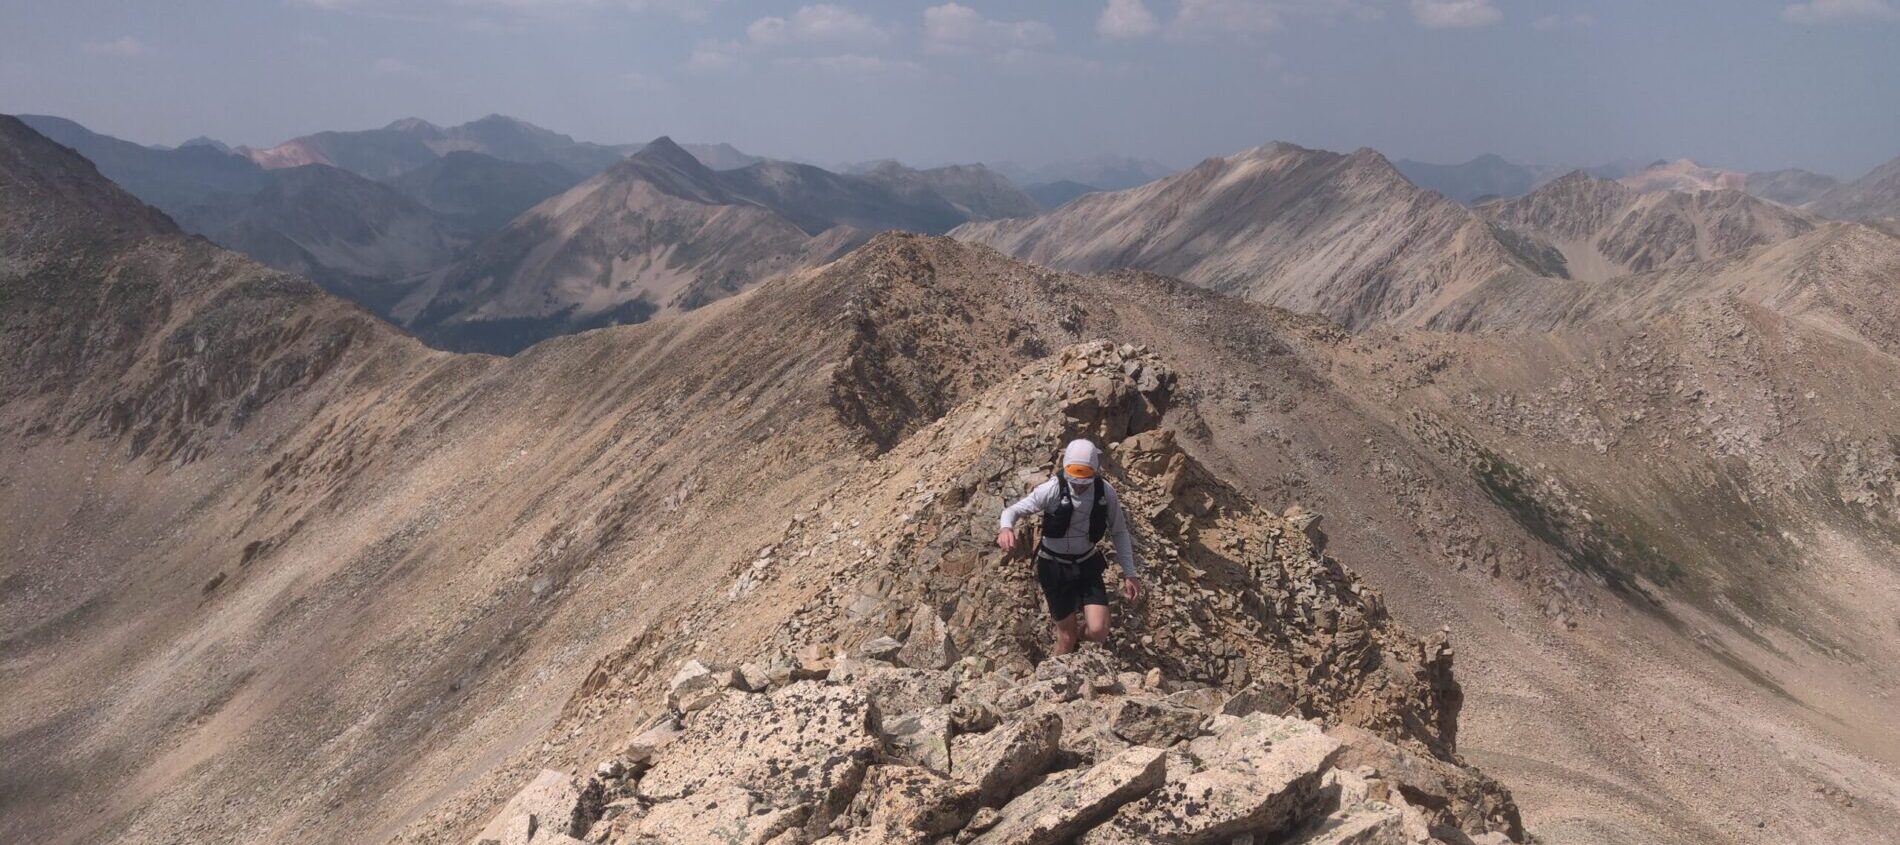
(1752, 84)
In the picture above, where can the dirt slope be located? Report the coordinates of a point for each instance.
(1344, 236)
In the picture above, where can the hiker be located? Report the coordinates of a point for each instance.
(1078, 510)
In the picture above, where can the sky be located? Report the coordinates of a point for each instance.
(1745, 84)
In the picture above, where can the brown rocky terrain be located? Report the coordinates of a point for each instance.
(1684, 175)
(359, 239)
(1873, 199)
(1344, 236)
(1606, 229)
(660, 232)
(257, 531)
(1791, 186)
(910, 744)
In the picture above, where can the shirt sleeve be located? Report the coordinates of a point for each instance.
(1038, 500)
(1124, 542)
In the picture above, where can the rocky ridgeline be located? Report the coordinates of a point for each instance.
(1261, 693)
(1080, 750)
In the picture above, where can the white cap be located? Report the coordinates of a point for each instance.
(1082, 451)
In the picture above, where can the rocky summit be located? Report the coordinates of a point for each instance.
(1082, 749)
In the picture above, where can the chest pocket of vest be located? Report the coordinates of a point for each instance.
(1055, 523)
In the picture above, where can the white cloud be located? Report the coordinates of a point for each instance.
(1251, 17)
(821, 22)
(715, 57)
(1125, 19)
(1449, 14)
(954, 26)
(1580, 20)
(124, 45)
(1840, 11)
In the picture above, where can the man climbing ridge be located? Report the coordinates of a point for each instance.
(1078, 510)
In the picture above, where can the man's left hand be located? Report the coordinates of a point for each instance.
(1131, 589)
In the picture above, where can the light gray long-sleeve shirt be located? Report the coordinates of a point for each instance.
(1048, 495)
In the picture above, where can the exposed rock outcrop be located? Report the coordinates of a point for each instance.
(816, 762)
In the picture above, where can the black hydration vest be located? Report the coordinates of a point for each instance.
(1055, 523)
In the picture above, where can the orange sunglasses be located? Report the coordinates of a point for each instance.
(1079, 470)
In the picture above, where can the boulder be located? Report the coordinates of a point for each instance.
(1270, 696)
(1259, 774)
(755, 677)
(807, 743)
(881, 648)
(911, 804)
(896, 691)
(1156, 722)
(643, 746)
(1450, 795)
(549, 802)
(1371, 823)
(1063, 807)
(921, 737)
(929, 645)
(1001, 761)
(696, 686)
(729, 814)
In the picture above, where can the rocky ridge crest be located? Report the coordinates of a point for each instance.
(925, 636)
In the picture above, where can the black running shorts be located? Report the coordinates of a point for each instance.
(1065, 596)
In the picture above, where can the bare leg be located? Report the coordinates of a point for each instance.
(1066, 634)
(1095, 617)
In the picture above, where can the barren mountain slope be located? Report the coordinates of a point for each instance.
(1482, 178)
(383, 585)
(360, 240)
(1873, 199)
(1684, 175)
(657, 232)
(172, 180)
(662, 232)
(1606, 229)
(978, 192)
(480, 193)
(1838, 279)
(1792, 186)
(1344, 236)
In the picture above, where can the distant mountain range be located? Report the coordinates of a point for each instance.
(1103, 173)
(1350, 238)
(661, 231)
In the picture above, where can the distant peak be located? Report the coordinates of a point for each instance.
(204, 141)
(663, 150)
(413, 124)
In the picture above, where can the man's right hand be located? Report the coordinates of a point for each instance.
(1006, 538)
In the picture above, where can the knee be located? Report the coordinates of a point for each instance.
(1097, 631)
